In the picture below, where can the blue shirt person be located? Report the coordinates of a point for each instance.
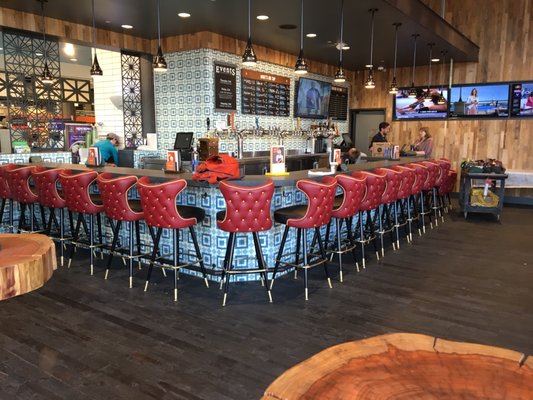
(108, 151)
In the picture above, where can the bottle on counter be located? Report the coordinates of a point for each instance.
(195, 157)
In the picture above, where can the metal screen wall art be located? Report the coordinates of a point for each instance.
(132, 100)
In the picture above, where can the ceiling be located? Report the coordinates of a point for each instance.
(230, 18)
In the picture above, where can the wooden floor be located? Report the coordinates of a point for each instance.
(80, 337)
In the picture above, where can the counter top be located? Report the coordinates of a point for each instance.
(248, 180)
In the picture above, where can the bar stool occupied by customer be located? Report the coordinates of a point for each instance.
(247, 211)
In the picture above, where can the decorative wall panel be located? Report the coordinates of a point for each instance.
(132, 99)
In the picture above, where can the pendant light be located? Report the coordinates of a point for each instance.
(412, 90)
(46, 76)
(159, 64)
(442, 99)
(96, 71)
(370, 83)
(340, 76)
(301, 66)
(248, 57)
(428, 92)
(393, 89)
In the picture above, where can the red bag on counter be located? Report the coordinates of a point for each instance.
(217, 168)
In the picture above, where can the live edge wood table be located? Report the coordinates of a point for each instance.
(27, 261)
(407, 366)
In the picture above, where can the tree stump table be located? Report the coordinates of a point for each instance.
(27, 261)
(407, 366)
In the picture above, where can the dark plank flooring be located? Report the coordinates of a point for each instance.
(81, 337)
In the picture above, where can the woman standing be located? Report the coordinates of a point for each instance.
(425, 142)
(471, 103)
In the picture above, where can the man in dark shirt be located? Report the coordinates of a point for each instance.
(381, 136)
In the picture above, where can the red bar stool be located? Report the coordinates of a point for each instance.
(345, 210)
(427, 191)
(247, 211)
(388, 212)
(118, 209)
(375, 186)
(77, 193)
(315, 214)
(161, 211)
(422, 175)
(442, 180)
(18, 180)
(46, 185)
(5, 195)
(403, 206)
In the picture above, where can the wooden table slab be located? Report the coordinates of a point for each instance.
(27, 261)
(407, 366)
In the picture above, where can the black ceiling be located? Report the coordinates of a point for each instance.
(229, 17)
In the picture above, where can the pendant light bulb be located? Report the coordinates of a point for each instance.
(248, 57)
(412, 90)
(393, 88)
(301, 65)
(340, 76)
(159, 64)
(96, 71)
(370, 83)
(46, 77)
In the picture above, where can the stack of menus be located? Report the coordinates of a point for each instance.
(265, 94)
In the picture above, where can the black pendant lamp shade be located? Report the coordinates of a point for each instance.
(370, 83)
(96, 71)
(393, 88)
(301, 66)
(340, 76)
(442, 99)
(249, 58)
(412, 90)
(159, 64)
(46, 76)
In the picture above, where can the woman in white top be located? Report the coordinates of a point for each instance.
(471, 103)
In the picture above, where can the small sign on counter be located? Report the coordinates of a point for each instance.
(277, 160)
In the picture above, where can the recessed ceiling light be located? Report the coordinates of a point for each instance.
(262, 17)
(73, 59)
(435, 59)
(126, 26)
(311, 35)
(107, 21)
(39, 54)
(368, 66)
(344, 46)
(184, 15)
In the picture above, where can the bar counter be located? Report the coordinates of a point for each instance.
(207, 196)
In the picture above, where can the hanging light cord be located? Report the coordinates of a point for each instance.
(414, 58)
(302, 26)
(249, 24)
(94, 28)
(44, 30)
(395, 47)
(372, 39)
(342, 29)
(158, 25)
(430, 54)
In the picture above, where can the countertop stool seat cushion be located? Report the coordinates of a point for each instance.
(283, 215)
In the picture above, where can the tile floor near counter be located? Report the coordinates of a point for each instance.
(80, 337)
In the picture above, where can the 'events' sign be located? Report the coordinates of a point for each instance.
(225, 87)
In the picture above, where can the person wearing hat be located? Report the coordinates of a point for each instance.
(108, 151)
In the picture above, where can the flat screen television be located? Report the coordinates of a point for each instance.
(312, 99)
(480, 101)
(522, 99)
(421, 106)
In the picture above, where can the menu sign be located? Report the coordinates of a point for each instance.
(265, 94)
(225, 87)
(338, 103)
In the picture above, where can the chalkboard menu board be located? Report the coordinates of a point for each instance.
(338, 103)
(265, 94)
(225, 87)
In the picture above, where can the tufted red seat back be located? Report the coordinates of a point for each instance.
(18, 180)
(76, 191)
(449, 185)
(5, 192)
(408, 181)
(354, 190)
(433, 172)
(421, 174)
(46, 187)
(444, 166)
(375, 186)
(159, 203)
(114, 192)
(247, 207)
(393, 181)
(320, 199)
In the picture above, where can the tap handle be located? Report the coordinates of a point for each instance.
(208, 123)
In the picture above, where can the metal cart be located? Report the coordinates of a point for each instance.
(496, 187)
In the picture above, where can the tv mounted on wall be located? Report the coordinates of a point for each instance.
(312, 99)
(422, 106)
(480, 101)
(522, 99)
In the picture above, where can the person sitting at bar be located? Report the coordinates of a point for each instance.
(425, 142)
(354, 156)
(108, 151)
